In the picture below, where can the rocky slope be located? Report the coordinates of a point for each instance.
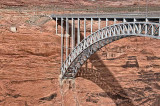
(77, 3)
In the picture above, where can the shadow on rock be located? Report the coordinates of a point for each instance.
(105, 80)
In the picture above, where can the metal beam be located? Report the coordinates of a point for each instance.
(78, 33)
(99, 23)
(56, 25)
(84, 27)
(112, 15)
(134, 26)
(159, 27)
(124, 20)
(67, 33)
(91, 25)
(140, 28)
(61, 41)
(106, 21)
(128, 31)
(146, 28)
(152, 32)
(115, 20)
(73, 33)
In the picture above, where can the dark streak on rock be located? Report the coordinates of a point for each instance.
(49, 98)
(90, 99)
(16, 96)
(153, 58)
(22, 81)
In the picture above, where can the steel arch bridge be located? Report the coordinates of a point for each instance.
(83, 49)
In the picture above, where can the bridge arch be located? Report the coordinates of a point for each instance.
(102, 37)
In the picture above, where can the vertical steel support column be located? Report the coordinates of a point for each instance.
(106, 26)
(91, 25)
(152, 29)
(73, 33)
(124, 21)
(159, 27)
(128, 29)
(84, 27)
(99, 24)
(134, 26)
(67, 35)
(146, 28)
(56, 26)
(140, 28)
(78, 33)
(61, 41)
(106, 21)
(115, 21)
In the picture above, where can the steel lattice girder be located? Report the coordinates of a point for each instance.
(98, 39)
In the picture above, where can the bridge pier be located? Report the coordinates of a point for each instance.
(68, 85)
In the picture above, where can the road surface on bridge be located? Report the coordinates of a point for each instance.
(113, 15)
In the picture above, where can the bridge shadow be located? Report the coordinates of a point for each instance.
(103, 78)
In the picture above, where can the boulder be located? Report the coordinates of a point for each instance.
(13, 29)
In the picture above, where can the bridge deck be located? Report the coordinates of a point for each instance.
(122, 15)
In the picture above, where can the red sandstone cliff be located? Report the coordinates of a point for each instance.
(103, 3)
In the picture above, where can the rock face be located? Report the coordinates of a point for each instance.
(123, 73)
(79, 3)
(73, 2)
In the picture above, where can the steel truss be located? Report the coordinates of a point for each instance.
(102, 37)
